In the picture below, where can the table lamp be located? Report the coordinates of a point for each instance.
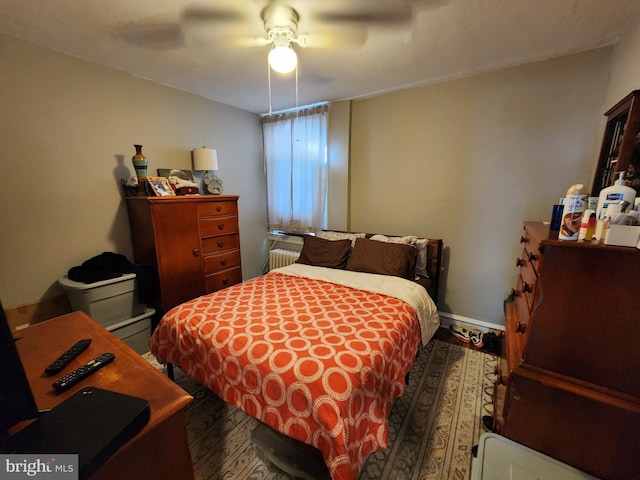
(205, 159)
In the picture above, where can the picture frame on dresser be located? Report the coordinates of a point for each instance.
(159, 186)
(175, 172)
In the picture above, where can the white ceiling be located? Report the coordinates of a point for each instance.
(439, 40)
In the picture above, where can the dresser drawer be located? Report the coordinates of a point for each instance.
(565, 422)
(223, 279)
(520, 323)
(210, 226)
(534, 257)
(528, 278)
(221, 261)
(532, 249)
(213, 209)
(218, 244)
(526, 290)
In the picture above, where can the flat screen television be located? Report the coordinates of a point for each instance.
(16, 398)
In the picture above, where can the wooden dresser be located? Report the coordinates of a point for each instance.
(569, 385)
(192, 242)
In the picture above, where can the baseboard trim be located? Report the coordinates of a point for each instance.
(22, 316)
(447, 319)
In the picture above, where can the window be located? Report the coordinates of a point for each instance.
(295, 148)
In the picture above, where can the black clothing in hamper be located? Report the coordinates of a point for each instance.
(109, 265)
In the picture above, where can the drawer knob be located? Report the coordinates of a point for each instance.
(533, 257)
(218, 209)
(524, 239)
(527, 287)
(521, 327)
(514, 293)
(221, 226)
(220, 244)
(519, 262)
(196, 252)
(225, 282)
(223, 262)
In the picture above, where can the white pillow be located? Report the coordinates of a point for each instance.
(419, 243)
(408, 240)
(421, 259)
(329, 235)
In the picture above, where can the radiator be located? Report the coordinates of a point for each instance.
(280, 257)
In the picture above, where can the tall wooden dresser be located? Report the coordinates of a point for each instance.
(192, 242)
(569, 385)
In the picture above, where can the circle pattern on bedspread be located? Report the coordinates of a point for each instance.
(319, 361)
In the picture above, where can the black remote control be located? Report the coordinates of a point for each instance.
(83, 372)
(64, 359)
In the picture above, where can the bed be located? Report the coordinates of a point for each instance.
(318, 350)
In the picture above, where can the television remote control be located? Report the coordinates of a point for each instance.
(83, 372)
(64, 359)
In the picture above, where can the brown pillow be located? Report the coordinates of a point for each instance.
(324, 253)
(371, 256)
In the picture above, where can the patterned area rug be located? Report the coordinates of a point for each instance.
(432, 426)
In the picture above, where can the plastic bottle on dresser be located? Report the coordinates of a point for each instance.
(587, 226)
(614, 194)
(574, 204)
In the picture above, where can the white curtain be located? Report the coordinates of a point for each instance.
(295, 147)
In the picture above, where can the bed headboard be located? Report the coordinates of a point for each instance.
(434, 264)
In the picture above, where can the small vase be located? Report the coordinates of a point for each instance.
(140, 162)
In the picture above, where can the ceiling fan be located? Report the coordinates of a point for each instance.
(281, 22)
(327, 24)
(281, 25)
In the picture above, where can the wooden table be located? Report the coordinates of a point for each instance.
(161, 449)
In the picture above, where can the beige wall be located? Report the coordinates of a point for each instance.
(338, 188)
(469, 160)
(466, 161)
(625, 65)
(67, 129)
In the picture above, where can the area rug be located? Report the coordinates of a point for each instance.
(432, 427)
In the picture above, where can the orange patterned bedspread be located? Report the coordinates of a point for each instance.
(320, 362)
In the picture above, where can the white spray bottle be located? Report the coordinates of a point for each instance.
(574, 204)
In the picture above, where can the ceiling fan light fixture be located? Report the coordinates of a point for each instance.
(282, 58)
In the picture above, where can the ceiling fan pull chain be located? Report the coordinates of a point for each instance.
(269, 83)
(297, 108)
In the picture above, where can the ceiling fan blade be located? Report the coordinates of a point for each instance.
(249, 42)
(204, 27)
(429, 4)
(355, 36)
(384, 13)
(157, 36)
(210, 15)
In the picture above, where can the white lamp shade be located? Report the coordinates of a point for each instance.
(282, 58)
(204, 159)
